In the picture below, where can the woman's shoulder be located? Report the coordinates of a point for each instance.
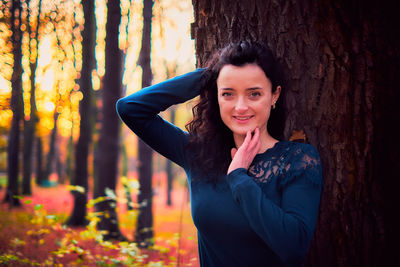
(296, 151)
(300, 158)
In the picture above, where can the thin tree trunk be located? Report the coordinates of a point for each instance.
(341, 61)
(39, 161)
(144, 230)
(70, 156)
(16, 107)
(29, 131)
(108, 146)
(78, 216)
(51, 154)
(29, 126)
(60, 168)
(124, 173)
(169, 167)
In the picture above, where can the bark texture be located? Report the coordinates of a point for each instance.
(144, 229)
(341, 61)
(108, 146)
(78, 216)
(16, 107)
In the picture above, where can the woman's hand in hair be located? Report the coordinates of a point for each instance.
(242, 157)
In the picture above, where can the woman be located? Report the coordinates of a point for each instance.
(254, 199)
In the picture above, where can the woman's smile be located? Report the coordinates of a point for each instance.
(243, 119)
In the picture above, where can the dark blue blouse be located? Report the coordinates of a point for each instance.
(263, 216)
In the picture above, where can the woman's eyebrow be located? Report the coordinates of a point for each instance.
(248, 89)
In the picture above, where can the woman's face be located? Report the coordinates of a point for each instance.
(245, 98)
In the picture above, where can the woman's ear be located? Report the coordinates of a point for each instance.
(276, 94)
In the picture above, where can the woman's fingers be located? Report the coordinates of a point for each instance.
(253, 145)
(244, 155)
(255, 139)
(233, 152)
(247, 140)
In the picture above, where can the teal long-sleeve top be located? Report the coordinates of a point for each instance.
(263, 216)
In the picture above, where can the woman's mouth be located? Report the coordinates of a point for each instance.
(242, 119)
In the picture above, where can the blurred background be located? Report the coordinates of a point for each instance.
(63, 65)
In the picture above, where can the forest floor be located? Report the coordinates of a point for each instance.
(34, 234)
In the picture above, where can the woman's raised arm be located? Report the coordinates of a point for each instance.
(139, 112)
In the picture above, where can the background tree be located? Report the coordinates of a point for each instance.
(144, 229)
(30, 124)
(48, 170)
(39, 161)
(16, 106)
(171, 72)
(85, 134)
(341, 61)
(108, 145)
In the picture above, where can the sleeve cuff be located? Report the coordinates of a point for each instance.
(237, 177)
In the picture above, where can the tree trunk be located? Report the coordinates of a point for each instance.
(29, 136)
(169, 165)
(144, 229)
(69, 160)
(39, 161)
(51, 154)
(29, 126)
(341, 61)
(108, 146)
(78, 216)
(16, 107)
(60, 168)
(124, 173)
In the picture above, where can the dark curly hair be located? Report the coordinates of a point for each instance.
(210, 139)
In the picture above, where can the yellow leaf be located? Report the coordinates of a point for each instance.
(298, 136)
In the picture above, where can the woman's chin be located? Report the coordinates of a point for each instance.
(240, 132)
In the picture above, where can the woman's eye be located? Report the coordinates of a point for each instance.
(255, 94)
(226, 94)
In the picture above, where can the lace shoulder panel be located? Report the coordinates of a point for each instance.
(289, 161)
(304, 161)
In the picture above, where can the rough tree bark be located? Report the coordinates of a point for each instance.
(144, 229)
(78, 216)
(341, 61)
(108, 146)
(16, 107)
(29, 125)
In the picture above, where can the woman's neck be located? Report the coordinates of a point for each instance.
(267, 141)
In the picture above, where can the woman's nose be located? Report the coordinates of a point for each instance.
(241, 105)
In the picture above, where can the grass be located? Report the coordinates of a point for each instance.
(34, 233)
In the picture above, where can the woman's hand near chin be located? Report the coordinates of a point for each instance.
(244, 155)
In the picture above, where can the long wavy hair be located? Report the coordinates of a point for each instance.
(210, 139)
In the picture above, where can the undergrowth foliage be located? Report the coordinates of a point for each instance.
(76, 248)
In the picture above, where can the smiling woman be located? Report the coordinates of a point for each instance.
(245, 98)
(254, 199)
